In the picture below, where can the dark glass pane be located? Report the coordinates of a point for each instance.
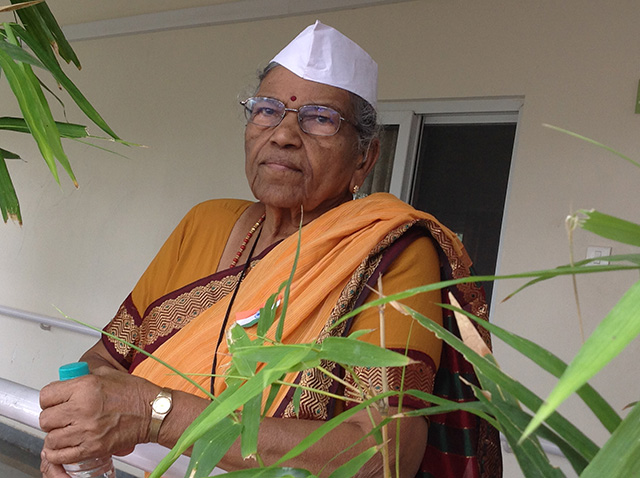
(461, 179)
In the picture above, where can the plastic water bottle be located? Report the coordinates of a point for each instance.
(95, 467)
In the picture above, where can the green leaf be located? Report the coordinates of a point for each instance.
(588, 140)
(328, 426)
(268, 313)
(229, 401)
(287, 289)
(31, 108)
(237, 338)
(620, 455)
(347, 351)
(611, 227)
(297, 394)
(250, 427)
(552, 364)
(18, 54)
(62, 45)
(612, 335)
(9, 205)
(354, 465)
(488, 370)
(276, 352)
(54, 68)
(532, 459)
(8, 154)
(66, 130)
(285, 472)
(214, 444)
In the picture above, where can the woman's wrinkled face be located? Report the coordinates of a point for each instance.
(287, 167)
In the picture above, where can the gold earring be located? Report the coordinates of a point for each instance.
(355, 190)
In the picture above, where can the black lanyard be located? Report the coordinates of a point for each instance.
(226, 315)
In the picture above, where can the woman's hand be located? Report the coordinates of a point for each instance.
(104, 413)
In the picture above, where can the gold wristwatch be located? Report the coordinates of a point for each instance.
(160, 408)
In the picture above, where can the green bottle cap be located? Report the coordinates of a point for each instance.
(73, 370)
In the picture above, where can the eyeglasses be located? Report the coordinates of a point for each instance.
(313, 119)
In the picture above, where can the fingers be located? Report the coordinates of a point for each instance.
(49, 470)
(101, 413)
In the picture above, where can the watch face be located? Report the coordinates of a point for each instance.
(162, 405)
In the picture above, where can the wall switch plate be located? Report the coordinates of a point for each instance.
(596, 251)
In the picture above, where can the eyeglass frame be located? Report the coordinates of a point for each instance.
(294, 110)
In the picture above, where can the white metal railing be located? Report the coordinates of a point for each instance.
(21, 404)
(46, 322)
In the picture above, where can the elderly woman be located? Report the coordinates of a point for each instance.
(309, 143)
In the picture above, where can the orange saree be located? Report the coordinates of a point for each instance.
(340, 252)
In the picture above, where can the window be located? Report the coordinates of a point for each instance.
(452, 159)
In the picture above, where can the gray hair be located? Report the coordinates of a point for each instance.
(365, 117)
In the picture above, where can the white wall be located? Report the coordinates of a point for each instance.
(575, 62)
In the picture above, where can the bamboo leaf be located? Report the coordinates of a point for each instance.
(532, 459)
(539, 275)
(28, 100)
(9, 205)
(250, 427)
(612, 335)
(275, 353)
(611, 227)
(228, 402)
(620, 455)
(11, 8)
(588, 140)
(270, 473)
(552, 364)
(347, 351)
(54, 68)
(66, 130)
(287, 288)
(328, 426)
(354, 465)
(237, 338)
(209, 450)
(61, 45)
(578, 267)
(488, 369)
(8, 154)
(19, 54)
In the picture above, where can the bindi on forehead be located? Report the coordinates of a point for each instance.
(293, 98)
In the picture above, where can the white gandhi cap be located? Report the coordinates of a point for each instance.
(324, 55)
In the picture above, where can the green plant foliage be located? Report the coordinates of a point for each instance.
(38, 42)
(620, 456)
(612, 335)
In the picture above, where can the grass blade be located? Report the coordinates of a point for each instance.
(270, 472)
(9, 205)
(487, 368)
(552, 364)
(54, 68)
(354, 465)
(213, 445)
(596, 143)
(620, 455)
(612, 335)
(611, 227)
(66, 130)
(19, 54)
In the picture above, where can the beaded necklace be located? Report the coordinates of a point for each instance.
(243, 246)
